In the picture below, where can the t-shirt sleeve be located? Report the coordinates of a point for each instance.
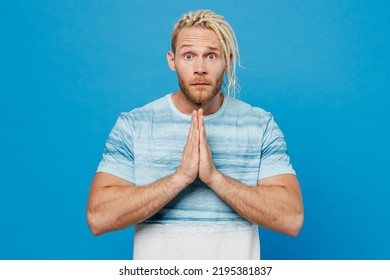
(118, 155)
(274, 157)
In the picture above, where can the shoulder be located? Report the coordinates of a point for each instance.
(146, 112)
(248, 113)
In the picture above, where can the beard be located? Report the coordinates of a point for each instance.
(202, 96)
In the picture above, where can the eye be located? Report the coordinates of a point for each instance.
(188, 56)
(211, 56)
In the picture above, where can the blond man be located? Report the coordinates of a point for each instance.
(197, 170)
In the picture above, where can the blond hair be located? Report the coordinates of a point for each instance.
(210, 20)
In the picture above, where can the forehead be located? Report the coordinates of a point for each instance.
(198, 37)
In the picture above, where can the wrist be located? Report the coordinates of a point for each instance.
(180, 180)
(216, 179)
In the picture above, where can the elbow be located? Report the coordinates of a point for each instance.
(99, 224)
(295, 225)
(94, 223)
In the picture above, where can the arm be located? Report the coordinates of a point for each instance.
(274, 203)
(115, 203)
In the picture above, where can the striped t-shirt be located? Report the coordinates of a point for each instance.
(146, 144)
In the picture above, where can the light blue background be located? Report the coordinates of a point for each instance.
(68, 68)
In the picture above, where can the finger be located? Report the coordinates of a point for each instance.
(201, 117)
(204, 145)
(194, 120)
(202, 128)
(202, 139)
(191, 130)
(195, 127)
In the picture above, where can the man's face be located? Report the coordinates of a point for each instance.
(199, 63)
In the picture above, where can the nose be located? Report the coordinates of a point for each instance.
(200, 67)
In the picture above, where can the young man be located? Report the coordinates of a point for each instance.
(203, 201)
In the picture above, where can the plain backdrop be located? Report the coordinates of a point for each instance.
(68, 68)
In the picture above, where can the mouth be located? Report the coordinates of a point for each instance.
(200, 84)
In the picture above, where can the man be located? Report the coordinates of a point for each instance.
(203, 201)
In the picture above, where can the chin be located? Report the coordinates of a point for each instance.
(200, 99)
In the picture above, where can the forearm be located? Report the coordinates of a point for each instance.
(115, 204)
(115, 207)
(276, 207)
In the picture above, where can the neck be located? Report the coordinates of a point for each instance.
(187, 107)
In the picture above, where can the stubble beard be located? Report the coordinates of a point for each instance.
(203, 97)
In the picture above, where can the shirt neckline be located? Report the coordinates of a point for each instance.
(188, 117)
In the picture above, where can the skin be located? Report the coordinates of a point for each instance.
(274, 203)
(200, 66)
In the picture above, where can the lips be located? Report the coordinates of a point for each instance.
(201, 83)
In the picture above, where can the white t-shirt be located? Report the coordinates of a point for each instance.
(146, 145)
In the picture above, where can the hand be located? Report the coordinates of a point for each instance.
(189, 166)
(207, 170)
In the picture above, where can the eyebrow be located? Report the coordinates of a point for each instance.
(208, 47)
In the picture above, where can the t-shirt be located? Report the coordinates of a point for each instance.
(146, 144)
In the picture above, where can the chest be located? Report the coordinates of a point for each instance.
(158, 149)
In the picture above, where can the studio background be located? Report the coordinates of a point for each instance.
(68, 68)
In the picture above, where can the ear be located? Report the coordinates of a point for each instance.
(171, 60)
